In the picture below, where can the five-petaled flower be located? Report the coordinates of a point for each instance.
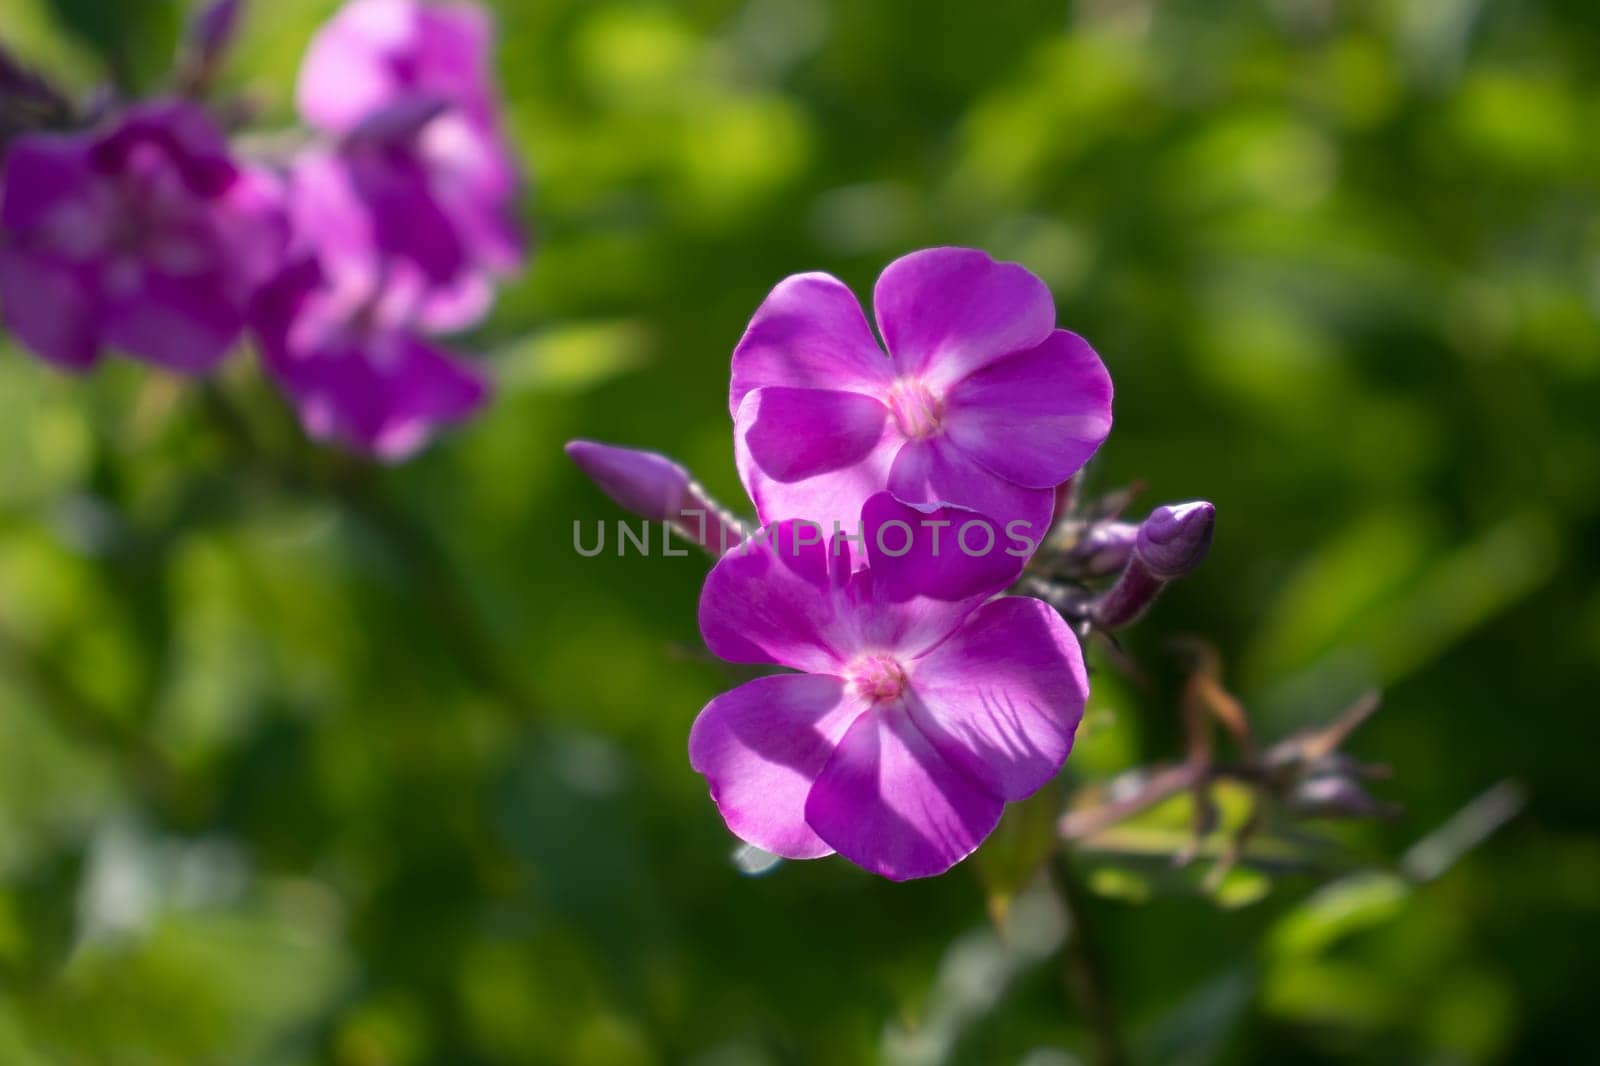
(919, 709)
(144, 236)
(981, 401)
(419, 185)
(403, 221)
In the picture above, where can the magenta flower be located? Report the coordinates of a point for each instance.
(981, 401)
(398, 201)
(145, 237)
(420, 186)
(354, 366)
(374, 52)
(919, 709)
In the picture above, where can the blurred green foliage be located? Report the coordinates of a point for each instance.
(300, 763)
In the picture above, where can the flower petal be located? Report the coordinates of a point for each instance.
(370, 51)
(890, 803)
(252, 224)
(793, 434)
(1003, 696)
(183, 133)
(1034, 417)
(762, 745)
(945, 312)
(384, 392)
(870, 620)
(408, 221)
(184, 323)
(43, 171)
(809, 333)
(942, 552)
(812, 453)
(50, 308)
(770, 601)
(425, 388)
(935, 471)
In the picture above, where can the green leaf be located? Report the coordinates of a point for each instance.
(1017, 848)
(1347, 906)
(573, 357)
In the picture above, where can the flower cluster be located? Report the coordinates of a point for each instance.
(142, 230)
(926, 696)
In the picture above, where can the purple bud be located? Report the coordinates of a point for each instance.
(1175, 538)
(1336, 796)
(214, 26)
(1103, 549)
(206, 44)
(642, 483)
(1172, 542)
(1136, 589)
(654, 487)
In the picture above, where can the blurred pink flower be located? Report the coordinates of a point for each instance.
(398, 199)
(419, 183)
(145, 236)
(403, 221)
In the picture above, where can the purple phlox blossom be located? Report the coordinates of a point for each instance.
(418, 182)
(352, 361)
(144, 236)
(403, 220)
(921, 706)
(980, 402)
(404, 199)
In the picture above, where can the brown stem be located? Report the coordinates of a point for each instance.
(1162, 783)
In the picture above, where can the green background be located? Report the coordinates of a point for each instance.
(306, 762)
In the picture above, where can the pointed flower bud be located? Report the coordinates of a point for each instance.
(205, 44)
(652, 486)
(1336, 796)
(1175, 539)
(1172, 542)
(1102, 549)
(642, 483)
(213, 28)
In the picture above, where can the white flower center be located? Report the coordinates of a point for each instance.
(878, 678)
(916, 409)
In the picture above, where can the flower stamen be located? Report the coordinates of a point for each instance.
(878, 678)
(916, 409)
